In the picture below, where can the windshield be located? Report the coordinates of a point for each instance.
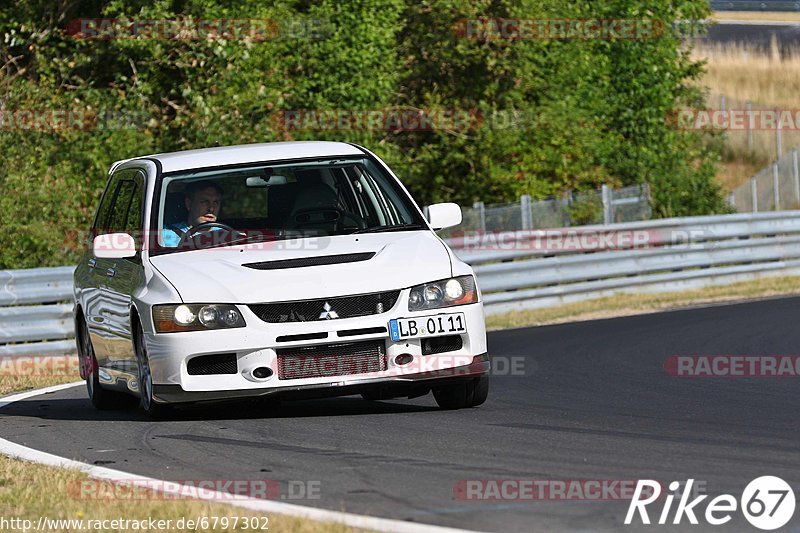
(211, 208)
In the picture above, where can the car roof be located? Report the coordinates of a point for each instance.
(247, 153)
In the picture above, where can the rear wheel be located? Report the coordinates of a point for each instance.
(146, 402)
(470, 393)
(101, 398)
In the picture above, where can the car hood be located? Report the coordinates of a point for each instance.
(401, 259)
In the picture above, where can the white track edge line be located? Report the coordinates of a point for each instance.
(17, 451)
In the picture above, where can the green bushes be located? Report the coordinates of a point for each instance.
(584, 112)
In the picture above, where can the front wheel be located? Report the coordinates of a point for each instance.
(145, 379)
(101, 398)
(470, 393)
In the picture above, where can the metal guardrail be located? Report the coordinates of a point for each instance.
(516, 269)
(755, 5)
(36, 311)
(523, 270)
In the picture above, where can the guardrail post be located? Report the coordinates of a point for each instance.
(749, 130)
(481, 208)
(645, 198)
(796, 176)
(608, 213)
(754, 194)
(776, 187)
(525, 206)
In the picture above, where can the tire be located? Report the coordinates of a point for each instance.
(470, 393)
(102, 399)
(481, 392)
(145, 380)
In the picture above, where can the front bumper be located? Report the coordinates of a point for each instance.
(396, 386)
(257, 345)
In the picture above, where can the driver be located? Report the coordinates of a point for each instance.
(203, 199)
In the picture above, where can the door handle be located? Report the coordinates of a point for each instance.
(92, 262)
(111, 271)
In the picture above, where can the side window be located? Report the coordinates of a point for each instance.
(133, 222)
(121, 207)
(119, 210)
(104, 209)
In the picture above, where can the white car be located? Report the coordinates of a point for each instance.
(284, 270)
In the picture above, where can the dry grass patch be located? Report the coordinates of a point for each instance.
(634, 304)
(11, 384)
(769, 80)
(777, 16)
(29, 491)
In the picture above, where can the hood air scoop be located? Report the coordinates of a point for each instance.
(311, 261)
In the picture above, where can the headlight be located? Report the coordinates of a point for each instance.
(196, 317)
(443, 293)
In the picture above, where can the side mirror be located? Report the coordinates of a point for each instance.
(442, 216)
(114, 246)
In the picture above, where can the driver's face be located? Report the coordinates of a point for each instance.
(203, 206)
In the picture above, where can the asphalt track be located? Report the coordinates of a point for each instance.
(594, 403)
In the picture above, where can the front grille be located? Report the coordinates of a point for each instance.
(339, 307)
(329, 360)
(205, 365)
(360, 331)
(311, 261)
(448, 343)
(302, 337)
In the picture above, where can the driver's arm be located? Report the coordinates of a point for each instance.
(171, 237)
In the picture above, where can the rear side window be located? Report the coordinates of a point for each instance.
(104, 209)
(120, 209)
(117, 222)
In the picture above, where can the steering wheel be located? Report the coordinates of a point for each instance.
(304, 217)
(206, 227)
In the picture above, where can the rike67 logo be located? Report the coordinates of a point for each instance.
(767, 502)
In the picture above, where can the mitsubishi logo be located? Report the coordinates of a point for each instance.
(327, 314)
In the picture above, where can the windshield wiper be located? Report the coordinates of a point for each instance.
(242, 239)
(382, 229)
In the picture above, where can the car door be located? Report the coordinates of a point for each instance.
(122, 277)
(90, 275)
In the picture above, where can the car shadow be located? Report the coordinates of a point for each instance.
(81, 409)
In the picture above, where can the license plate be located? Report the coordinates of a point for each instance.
(427, 326)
